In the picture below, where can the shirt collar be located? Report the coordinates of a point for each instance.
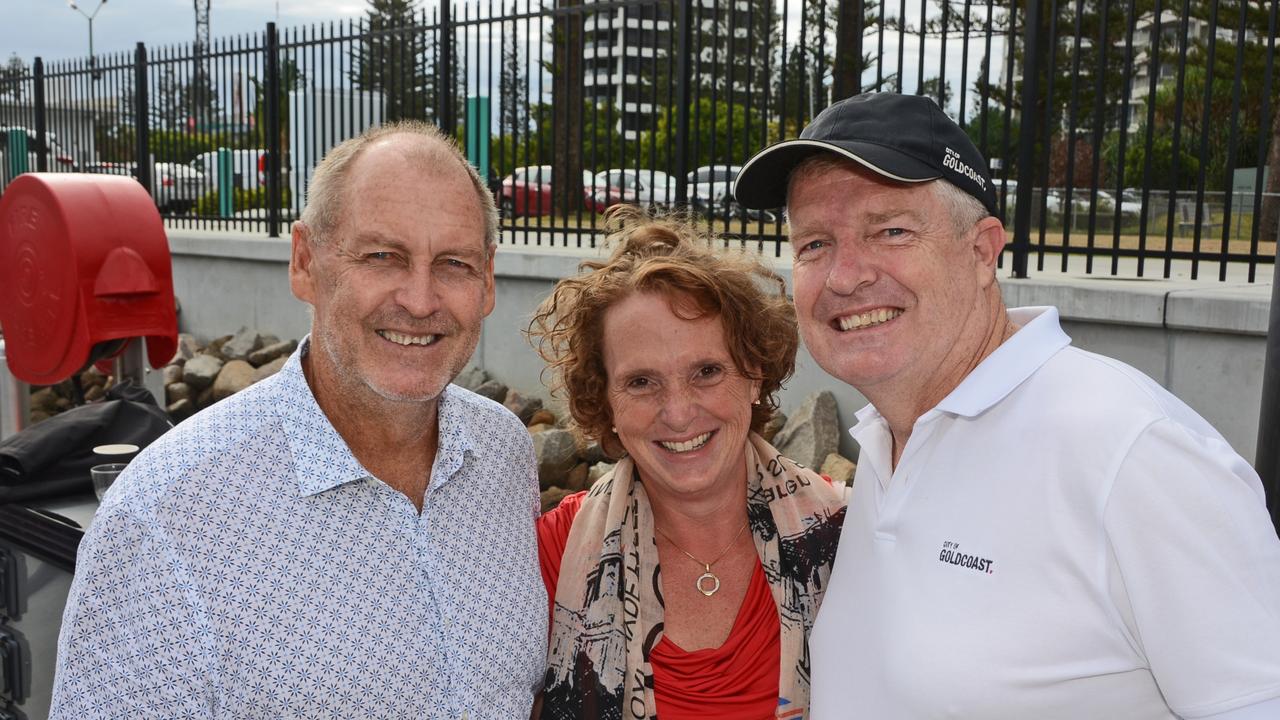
(1039, 338)
(323, 460)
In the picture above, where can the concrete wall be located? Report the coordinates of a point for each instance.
(1205, 341)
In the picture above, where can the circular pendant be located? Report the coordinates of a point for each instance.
(712, 578)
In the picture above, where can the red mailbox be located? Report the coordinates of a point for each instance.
(84, 261)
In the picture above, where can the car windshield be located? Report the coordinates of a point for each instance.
(718, 173)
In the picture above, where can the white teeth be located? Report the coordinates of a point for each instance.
(402, 339)
(867, 319)
(687, 445)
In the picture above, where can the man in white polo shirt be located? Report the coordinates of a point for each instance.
(1035, 531)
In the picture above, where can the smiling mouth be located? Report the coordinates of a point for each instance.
(688, 445)
(407, 340)
(867, 319)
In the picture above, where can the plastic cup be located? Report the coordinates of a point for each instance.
(104, 475)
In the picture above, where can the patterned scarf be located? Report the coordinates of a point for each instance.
(608, 616)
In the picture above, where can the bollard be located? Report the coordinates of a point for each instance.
(17, 152)
(226, 184)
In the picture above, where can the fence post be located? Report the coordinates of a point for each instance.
(444, 86)
(42, 144)
(141, 112)
(1027, 138)
(1267, 460)
(685, 18)
(274, 158)
(848, 67)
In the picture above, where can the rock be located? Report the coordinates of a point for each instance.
(493, 390)
(776, 422)
(181, 410)
(236, 375)
(591, 452)
(472, 378)
(524, 407)
(241, 344)
(812, 432)
(94, 392)
(64, 389)
(187, 347)
(214, 347)
(177, 391)
(598, 471)
(269, 340)
(92, 376)
(838, 468)
(552, 496)
(44, 400)
(556, 454)
(270, 368)
(205, 398)
(267, 353)
(200, 371)
(543, 417)
(577, 478)
(172, 373)
(536, 428)
(39, 416)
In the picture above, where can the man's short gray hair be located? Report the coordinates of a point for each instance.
(326, 194)
(965, 210)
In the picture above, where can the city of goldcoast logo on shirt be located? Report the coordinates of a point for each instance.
(951, 555)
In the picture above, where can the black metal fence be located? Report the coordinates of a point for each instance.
(1126, 137)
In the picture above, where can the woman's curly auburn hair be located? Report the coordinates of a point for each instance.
(670, 256)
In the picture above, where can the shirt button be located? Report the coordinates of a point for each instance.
(464, 715)
(448, 622)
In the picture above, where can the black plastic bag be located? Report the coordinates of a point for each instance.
(52, 458)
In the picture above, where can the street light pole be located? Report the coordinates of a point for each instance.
(93, 63)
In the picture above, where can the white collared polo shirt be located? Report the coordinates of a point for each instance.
(1061, 538)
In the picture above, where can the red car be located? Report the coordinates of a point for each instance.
(527, 191)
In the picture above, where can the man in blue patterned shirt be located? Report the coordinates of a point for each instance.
(352, 537)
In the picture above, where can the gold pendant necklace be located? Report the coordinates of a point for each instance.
(707, 575)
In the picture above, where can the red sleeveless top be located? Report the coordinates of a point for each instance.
(736, 681)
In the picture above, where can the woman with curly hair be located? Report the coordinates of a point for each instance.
(684, 583)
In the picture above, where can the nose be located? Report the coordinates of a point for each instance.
(418, 292)
(679, 408)
(853, 268)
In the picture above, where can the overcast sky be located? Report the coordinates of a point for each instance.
(50, 29)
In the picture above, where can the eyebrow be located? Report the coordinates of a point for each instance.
(876, 218)
(376, 238)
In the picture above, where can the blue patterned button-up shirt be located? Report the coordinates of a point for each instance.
(247, 566)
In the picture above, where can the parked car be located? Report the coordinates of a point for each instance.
(711, 188)
(527, 191)
(249, 167)
(175, 187)
(56, 159)
(650, 188)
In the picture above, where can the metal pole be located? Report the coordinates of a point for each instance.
(685, 18)
(42, 143)
(1027, 138)
(273, 131)
(141, 131)
(1267, 461)
(445, 87)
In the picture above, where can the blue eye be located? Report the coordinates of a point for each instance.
(378, 256)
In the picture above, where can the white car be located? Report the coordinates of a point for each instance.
(175, 187)
(711, 188)
(643, 187)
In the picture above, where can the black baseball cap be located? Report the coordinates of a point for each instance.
(902, 137)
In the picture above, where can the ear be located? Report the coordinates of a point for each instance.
(490, 289)
(987, 244)
(301, 279)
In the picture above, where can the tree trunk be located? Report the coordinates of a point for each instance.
(1270, 215)
(567, 104)
(848, 70)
